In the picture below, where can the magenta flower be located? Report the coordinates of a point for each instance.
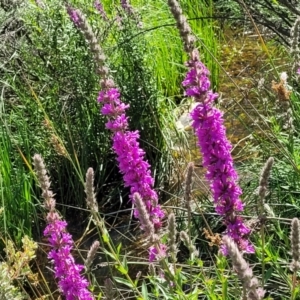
(196, 80)
(72, 285)
(157, 252)
(216, 153)
(74, 16)
(130, 157)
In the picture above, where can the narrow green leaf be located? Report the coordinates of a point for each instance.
(144, 290)
(109, 254)
(125, 263)
(119, 248)
(123, 281)
(105, 237)
(268, 274)
(121, 269)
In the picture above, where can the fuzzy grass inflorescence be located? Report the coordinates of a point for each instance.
(294, 49)
(172, 244)
(91, 254)
(90, 191)
(264, 177)
(295, 242)
(252, 291)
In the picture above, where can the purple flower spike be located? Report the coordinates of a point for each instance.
(72, 285)
(74, 16)
(209, 127)
(130, 157)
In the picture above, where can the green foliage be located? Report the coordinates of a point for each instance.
(15, 188)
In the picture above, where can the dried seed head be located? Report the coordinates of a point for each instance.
(183, 26)
(91, 254)
(143, 215)
(89, 190)
(264, 177)
(281, 89)
(244, 272)
(295, 243)
(172, 245)
(58, 145)
(44, 182)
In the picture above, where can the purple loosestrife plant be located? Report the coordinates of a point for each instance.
(79, 20)
(130, 157)
(209, 127)
(72, 285)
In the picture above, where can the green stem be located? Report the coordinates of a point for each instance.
(100, 224)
